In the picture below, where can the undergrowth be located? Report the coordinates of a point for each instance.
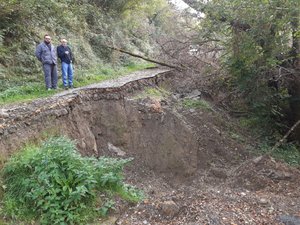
(267, 137)
(158, 93)
(53, 184)
(287, 152)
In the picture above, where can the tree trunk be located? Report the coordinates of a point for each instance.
(294, 91)
(295, 53)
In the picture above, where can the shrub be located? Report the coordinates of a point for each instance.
(54, 184)
(196, 104)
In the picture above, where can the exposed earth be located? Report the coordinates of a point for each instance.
(192, 161)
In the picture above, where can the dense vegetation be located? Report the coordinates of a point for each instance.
(258, 44)
(54, 184)
(90, 26)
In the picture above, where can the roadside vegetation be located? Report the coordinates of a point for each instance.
(90, 27)
(52, 183)
(157, 93)
(28, 90)
(252, 49)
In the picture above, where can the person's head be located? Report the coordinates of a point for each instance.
(63, 42)
(47, 39)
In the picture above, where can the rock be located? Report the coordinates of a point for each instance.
(192, 110)
(263, 201)
(278, 175)
(60, 112)
(175, 97)
(194, 94)
(289, 220)
(155, 106)
(169, 208)
(257, 160)
(115, 149)
(3, 113)
(12, 129)
(152, 105)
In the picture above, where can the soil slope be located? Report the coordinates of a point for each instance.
(188, 159)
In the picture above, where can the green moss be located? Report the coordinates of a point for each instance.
(158, 93)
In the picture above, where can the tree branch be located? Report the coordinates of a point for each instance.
(147, 59)
(284, 137)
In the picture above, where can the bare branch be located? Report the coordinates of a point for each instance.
(144, 58)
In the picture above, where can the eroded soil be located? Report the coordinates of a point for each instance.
(188, 160)
(230, 185)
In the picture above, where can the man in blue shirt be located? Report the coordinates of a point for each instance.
(46, 54)
(65, 54)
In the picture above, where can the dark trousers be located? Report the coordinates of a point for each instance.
(50, 73)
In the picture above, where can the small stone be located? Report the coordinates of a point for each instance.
(155, 106)
(60, 112)
(257, 160)
(3, 113)
(194, 94)
(263, 201)
(116, 150)
(145, 222)
(12, 129)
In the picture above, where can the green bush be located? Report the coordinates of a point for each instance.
(54, 184)
(196, 104)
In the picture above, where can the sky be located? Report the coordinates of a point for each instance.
(180, 4)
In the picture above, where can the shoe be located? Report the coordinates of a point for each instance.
(71, 86)
(66, 88)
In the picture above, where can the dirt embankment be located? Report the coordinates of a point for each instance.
(101, 118)
(29, 121)
(189, 161)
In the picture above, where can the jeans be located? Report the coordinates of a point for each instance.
(50, 73)
(67, 74)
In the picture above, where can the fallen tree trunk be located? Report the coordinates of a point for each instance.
(147, 59)
(284, 137)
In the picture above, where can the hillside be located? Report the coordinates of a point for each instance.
(89, 26)
(207, 133)
(193, 162)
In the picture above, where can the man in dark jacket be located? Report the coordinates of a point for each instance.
(65, 54)
(46, 54)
